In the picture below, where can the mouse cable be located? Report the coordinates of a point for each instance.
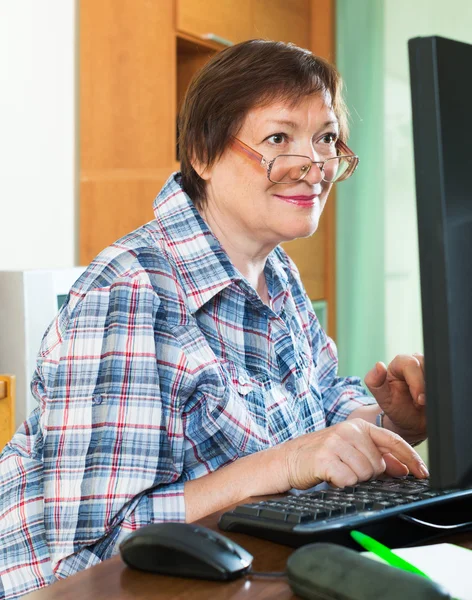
(262, 574)
(454, 527)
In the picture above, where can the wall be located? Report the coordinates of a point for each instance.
(38, 140)
(379, 304)
(379, 310)
(360, 205)
(403, 20)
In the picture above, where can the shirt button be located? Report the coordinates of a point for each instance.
(97, 399)
(290, 387)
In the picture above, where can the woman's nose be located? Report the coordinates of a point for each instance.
(315, 174)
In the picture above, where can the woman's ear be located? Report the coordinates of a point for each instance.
(202, 169)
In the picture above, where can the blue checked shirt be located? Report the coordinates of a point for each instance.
(162, 366)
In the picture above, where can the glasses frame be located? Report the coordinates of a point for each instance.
(267, 164)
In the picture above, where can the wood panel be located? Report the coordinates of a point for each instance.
(228, 19)
(191, 57)
(282, 20)
(7, 408)
(116, 204)
(127, 114)
(127, 65)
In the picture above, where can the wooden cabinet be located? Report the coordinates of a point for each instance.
(7, 408)
(127, 115)
(137, 58)
(238, 20)
(230, 20)
(284, 20)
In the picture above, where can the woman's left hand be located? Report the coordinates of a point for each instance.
(400, 392)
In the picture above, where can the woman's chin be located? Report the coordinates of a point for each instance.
(300, 228)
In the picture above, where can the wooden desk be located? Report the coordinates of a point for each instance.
(113, 580)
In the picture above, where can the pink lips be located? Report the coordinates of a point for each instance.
(300, 200)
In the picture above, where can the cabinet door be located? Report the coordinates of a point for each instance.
(127, 115)
(227, 19)
(7, 408)
(282, 20)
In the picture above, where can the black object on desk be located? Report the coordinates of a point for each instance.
(185, 550)
(377, 508)
(328, 571)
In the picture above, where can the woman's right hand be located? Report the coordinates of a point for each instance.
(344, 454)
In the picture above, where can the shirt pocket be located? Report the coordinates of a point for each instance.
(246, 404)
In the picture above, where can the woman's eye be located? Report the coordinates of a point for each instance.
(330, 138)
(277, 138)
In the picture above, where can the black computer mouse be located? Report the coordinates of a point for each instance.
(185, 550)
(325, 571)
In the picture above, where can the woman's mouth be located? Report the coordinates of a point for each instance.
(301, 200)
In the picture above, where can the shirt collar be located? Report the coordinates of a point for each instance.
(204, 266)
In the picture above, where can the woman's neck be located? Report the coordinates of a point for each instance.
(249, 257)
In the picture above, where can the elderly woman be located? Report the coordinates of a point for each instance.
(187, 370)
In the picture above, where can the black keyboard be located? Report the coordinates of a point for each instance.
(377, 507)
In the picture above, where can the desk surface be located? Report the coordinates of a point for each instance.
(113, 580)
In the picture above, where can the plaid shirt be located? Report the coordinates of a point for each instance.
(163, 365)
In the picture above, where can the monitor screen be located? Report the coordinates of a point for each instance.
(441, 89)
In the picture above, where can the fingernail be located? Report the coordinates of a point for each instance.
(421, 399)
(424, 470)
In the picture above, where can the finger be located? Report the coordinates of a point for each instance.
(365, 445)
(393, 467)
(339, 474)
(365, 467)
(409, 369)
(376, 381)
(390, 443)
(421, 397)
(420, 358)
(377, 375)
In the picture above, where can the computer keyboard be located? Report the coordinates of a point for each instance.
(375, 507)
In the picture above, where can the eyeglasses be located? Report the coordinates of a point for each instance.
(289, 168)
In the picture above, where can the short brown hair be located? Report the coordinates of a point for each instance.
(234, 81)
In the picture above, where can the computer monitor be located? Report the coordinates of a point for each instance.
(29, 301)
(441, 91)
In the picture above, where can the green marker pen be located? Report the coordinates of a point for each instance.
(385, 553)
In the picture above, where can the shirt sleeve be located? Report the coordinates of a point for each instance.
(341, 395)
(112, 429)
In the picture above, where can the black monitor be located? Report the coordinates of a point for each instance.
(441, 91)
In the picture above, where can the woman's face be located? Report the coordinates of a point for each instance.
(241, 197)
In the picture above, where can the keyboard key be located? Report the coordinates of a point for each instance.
(300, 517)
(273, 513)
(362, 504)
(248, 509)
(383, 505)
(351, 488)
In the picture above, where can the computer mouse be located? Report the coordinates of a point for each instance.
(185, 550)
(324, 571)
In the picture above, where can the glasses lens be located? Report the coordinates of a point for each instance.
(337, 169)
(288, 168)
